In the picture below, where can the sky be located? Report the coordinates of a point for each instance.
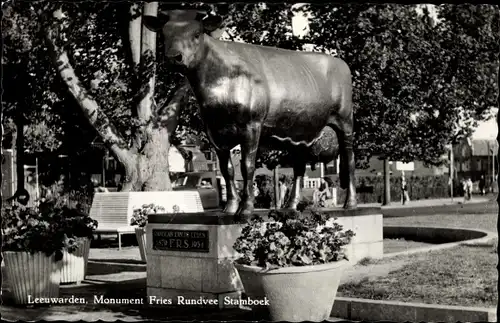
(487, 129)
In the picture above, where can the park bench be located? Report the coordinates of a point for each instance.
(113, 210)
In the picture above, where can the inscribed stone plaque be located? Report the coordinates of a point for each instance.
(180, 240)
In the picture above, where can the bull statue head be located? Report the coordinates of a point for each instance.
(183, 32)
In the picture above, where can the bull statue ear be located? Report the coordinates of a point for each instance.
(211, 23)
(155, 23)
(200, 14)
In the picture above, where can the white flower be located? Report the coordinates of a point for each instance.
(329, 224)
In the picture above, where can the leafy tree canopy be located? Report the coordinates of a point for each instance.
(418, 84)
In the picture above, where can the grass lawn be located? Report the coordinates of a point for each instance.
(486, 221)
(464, 275)
(397, 245)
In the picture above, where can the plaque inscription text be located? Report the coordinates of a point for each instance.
(180, 240)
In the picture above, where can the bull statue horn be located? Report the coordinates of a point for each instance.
(186, 14)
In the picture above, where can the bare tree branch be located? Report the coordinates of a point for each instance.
(134, 33)
(148, 56)
(89, 106)
(169, 113)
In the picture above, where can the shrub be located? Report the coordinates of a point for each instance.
(75, 222)
(284, 242)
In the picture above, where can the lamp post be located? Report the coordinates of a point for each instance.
(492, 150)
(452, 171)
(36, 179)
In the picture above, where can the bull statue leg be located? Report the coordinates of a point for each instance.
(227, 171)
(343, 127)
(349, 168)
(249, 146)
(299, 169)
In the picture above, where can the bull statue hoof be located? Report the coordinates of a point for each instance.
(350, 204)
(245, 210)
(292, 205)
(231, 207)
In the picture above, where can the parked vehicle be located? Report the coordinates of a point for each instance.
(210, 187)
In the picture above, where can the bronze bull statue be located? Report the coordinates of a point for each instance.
(253, 96)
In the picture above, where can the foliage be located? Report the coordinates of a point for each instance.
(140, 215)
(417, 85)
(47, 229)
(99, 51)
(412, 79)
(285, 241)
(75, 222)
(29, 90)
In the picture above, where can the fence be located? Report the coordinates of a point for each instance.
(312, 182)
(370, 189)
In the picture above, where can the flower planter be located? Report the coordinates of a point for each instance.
(300, 293)
(74, 265)
(33, 276)
(140, 234)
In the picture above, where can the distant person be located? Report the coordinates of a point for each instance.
(467, 186)
(405, 197)
(323, 194)
(482, 185)
(256, 191)
(282, 190)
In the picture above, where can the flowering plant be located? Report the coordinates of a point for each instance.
(46, 229)
(74, 221)
(284, 242)
(140, 215)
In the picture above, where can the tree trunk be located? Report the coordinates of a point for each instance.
(149, 170)
(155, 172)
(146, 162)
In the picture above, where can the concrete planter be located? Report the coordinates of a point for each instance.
(33, 276)
(74, 265)
(302, 293)
(140, 233)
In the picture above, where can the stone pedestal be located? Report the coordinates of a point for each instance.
(190, 259)
(190, 255)
(367, 223)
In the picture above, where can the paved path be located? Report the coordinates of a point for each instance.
(479, 205)
(118, 274)
(119, 279)
(432, 202)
